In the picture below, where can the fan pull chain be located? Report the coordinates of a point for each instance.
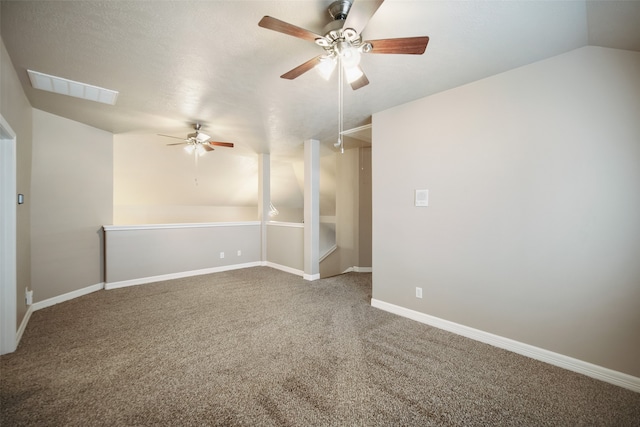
(340, 105)
(195, 154)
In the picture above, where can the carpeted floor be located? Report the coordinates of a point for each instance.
(262, 347)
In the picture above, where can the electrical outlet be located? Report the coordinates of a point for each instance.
(221, 255)
(239, 252)
(28, 297)
(418, 292)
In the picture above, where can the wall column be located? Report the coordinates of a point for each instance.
(311, 209)
(264, 200)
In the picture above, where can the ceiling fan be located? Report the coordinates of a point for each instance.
(198, 142)
(343, 43)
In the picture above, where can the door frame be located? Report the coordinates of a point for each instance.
(8, 240)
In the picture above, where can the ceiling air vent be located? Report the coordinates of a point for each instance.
(70, 88)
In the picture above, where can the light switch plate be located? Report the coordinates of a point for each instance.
(422, 197)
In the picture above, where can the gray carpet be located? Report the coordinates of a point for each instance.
(263, 347)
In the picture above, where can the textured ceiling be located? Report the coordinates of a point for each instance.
(175, 63)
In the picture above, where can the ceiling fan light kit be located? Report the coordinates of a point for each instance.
(198, 149)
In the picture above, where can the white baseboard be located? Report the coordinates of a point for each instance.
(180, 275)
(594, 371)
(312, 277)
(358, 270)
(23, 325)
(284, 268)
(295, 271)
(66, 297)
(331, 250)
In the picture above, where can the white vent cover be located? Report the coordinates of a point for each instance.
(70, 88)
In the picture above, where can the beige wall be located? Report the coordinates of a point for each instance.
(156, 183)
(285, 245)
(16, 110)
(72, 190)
(353, 213)
(141, 252)
(172, 214)
(347, 206)
(532, 231)
(287, 187)
(364, 209)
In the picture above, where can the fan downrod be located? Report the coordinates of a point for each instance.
(339, 9)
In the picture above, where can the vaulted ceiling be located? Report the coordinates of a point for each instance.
(178, 62)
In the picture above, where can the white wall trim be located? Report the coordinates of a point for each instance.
(23, 324)
(284, 268)
(357, 129)
(8, 241)
(331, 250)
(357, 269)
(311, 277)
(180, 275)
(286, 224)
(594, 371)
(178, 225)
(66, 297)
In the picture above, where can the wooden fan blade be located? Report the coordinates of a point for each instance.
(207, 148)
(361, 82)
(274, 24)
(407, 45)
(221, 144)
(301, 69)
(360, 14)
(169, 136)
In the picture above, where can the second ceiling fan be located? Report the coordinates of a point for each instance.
(342, 41)
(198, 142)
